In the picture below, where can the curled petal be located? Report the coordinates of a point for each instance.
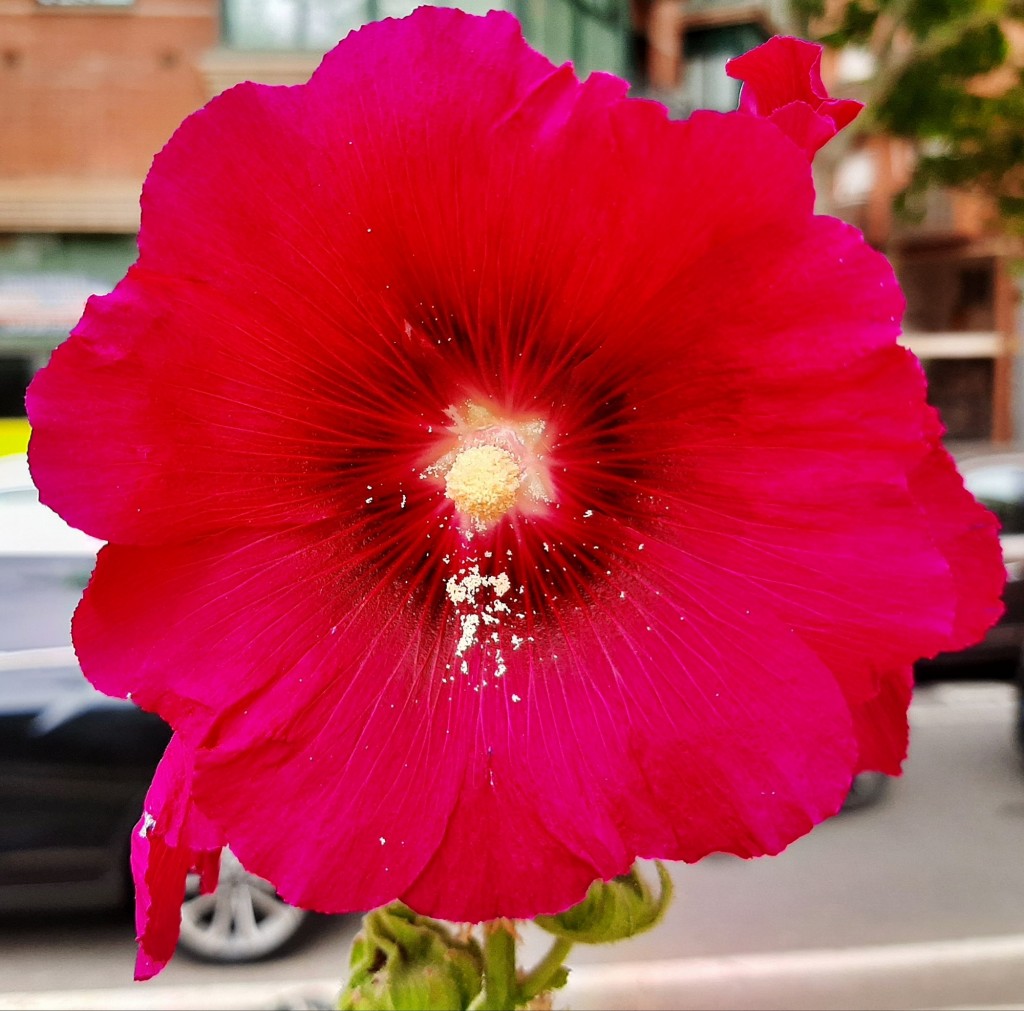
(782, 83)
(171, 839)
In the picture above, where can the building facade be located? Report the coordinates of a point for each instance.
(954, 261)
(91, 89)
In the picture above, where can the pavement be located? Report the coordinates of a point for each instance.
(971, 974)
(919, 897)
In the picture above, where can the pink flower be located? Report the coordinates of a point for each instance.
(782, 82)
(502, 482)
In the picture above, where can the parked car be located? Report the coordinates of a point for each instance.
(75, 764)
(996, 479)
(29, 529)
(44, 564)
(74, 769)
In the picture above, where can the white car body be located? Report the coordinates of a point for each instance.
(29, 528)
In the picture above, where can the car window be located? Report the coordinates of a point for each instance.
(18, 497)
(30, 529)
(1000, 488)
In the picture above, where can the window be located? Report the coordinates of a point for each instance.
(313, 25)
(707, 52)
(1000, 487)
(594, 34)
(44, 283)
(85, 3)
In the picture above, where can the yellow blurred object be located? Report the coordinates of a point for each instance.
(13, 435)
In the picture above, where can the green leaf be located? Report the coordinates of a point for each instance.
(946, 81)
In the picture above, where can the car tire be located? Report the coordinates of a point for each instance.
(242, 920)
(1018, 726)
(866, 789)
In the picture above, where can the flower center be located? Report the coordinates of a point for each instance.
(483, 482)
(490, 463)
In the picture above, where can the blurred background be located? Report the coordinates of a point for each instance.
(914, 895)
(90, 89)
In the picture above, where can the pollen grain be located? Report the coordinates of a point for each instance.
(483, 482)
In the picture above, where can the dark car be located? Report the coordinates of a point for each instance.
(996, 479)
(74, 769)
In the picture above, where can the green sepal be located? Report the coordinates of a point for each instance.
(402, 961)
(558, 980)
(613, 910)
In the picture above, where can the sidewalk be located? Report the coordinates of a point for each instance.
(967, 975)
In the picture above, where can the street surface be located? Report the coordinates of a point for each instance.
(915, 902)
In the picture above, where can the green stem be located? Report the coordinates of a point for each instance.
(500, 991)
(542, 975)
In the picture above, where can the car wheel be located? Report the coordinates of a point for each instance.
(243, 920)
(1018, 727)
(867, 788)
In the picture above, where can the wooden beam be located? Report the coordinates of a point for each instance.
(51, 204)
(954, 344)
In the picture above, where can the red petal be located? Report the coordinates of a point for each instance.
(689, 722)
(248, 359)
(810, 502)
(297, 689)
(966, 534)
(782, 83)
(586, 751)
(171, 839)
(880, 724)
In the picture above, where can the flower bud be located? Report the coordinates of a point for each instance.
(613, 910)
(404, 962)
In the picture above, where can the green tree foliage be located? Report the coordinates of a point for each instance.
(947, 80)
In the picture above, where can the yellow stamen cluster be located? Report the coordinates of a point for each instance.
(483, 482)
